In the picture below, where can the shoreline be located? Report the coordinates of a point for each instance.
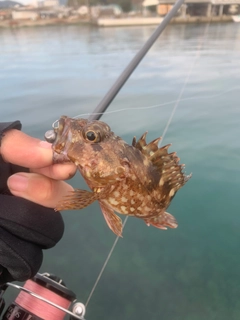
(41, 23)
(108, 22)
(141, 21)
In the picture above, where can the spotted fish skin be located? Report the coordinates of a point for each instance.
(137, 180)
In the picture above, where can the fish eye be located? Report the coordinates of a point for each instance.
(91, 136)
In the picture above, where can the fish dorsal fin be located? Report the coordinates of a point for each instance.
(166, 166)
(171, 172)
(146, 149)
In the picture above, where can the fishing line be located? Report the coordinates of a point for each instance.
(163, 104)
(164, 133)
(111, 94)
(184, 86)
(105, 263)
(103, 106)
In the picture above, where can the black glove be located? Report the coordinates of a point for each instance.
(25, 227)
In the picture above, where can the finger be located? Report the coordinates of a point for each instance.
(63, 171)
(23, 150)
(38, 188)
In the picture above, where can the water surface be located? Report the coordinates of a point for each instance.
(191, 273)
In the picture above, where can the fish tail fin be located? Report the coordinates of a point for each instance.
(162, 221)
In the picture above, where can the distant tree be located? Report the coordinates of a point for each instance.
(126, 5)
(76, 3)
(6, 4)
(94, 2)
(137, 4)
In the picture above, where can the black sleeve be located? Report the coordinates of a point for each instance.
(25, 227)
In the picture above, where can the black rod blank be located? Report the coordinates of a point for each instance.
(111, 94)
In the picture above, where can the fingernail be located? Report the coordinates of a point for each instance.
(45, 145)
(18, 182)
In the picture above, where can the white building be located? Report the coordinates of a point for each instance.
(40, 3)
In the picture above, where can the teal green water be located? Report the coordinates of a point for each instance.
(192, 272)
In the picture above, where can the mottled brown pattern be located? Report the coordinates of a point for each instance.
(138, 180)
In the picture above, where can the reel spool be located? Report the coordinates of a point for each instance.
(44, 297)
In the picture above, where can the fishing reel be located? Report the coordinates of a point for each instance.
(44, 297)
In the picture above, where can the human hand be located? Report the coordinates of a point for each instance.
(26, 225)
(43, 184)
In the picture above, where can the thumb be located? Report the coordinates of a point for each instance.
(38, 188)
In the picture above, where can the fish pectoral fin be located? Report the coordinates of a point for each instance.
(77, 199)
(162, 221)
(113, 221)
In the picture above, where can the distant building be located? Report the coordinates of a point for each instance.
(195, 8)
(37, 3)
(50, 3)
(25, 15)
(5, 14)
(108, 10)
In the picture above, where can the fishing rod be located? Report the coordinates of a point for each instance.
(45, 296)
(113, 91)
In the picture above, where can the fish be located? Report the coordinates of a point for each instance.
(138, 180)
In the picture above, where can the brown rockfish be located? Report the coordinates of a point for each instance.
(138, 180)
